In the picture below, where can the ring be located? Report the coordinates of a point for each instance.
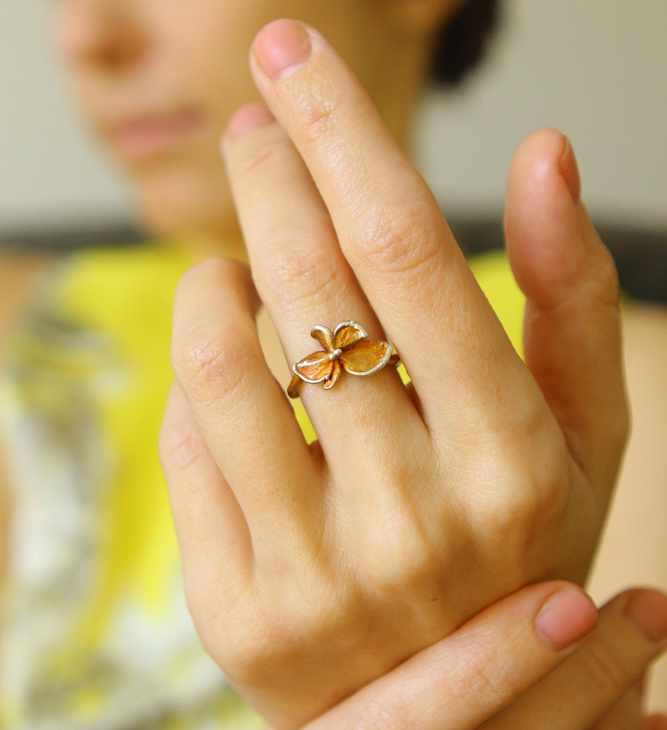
(346, 348)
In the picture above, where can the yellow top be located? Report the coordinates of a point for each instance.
(97, 631)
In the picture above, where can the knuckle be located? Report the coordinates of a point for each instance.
(227, 624)
(216, 368)
(528, 420)
(538, 500)
(269, 150)
(259, 645)
(374, 714)
(532, 477)
(301, 275)
(525, 496)
(488, 674)
(181, 446)
(254, 161)
(536, 459)
(319, 116)
(604, 669)
(406, 242)
(400, 559)
(249, 655)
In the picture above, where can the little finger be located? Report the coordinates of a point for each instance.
(212, 533)
(243, 414)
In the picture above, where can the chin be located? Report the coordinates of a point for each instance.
(180, 204)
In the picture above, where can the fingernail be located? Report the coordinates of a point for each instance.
(281, 47)
(247, 118)
(566, 618)
(648, 612)
(570, 171)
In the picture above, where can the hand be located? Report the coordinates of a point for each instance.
(497, 672)
(312, 569)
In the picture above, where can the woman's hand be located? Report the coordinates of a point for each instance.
(312, 569)
(517, 667)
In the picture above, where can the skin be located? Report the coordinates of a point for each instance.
(123, 53)
(529, 684)
(127, 56)
(493, 470)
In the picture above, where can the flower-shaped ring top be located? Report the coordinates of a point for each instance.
(346, 348)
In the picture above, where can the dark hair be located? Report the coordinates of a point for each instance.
(462, 42)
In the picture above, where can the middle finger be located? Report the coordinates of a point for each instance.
(394, 236)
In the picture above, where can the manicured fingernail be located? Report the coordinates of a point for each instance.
(648, 612)
(247, 118)
(281, 47)
(570, 171)
(566, 618)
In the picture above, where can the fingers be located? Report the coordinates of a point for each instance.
(212, 533)
(392, 233)
(464, 679)
(626, 714)
(304, 279)
(242, 412)
(572, 338)
(631, 633)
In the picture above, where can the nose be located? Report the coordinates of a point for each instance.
(104, 32)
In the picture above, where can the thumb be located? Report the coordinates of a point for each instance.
(572, 325)
(461, 681)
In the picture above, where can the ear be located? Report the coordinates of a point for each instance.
(420, 17)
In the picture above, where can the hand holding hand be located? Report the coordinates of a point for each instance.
(310, 570)
(517, 666)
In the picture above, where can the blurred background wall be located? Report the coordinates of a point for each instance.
(594, 68)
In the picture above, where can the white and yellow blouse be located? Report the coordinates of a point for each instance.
(96, 633)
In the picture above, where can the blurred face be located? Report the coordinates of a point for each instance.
(158, 80)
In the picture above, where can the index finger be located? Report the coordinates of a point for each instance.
(391, 231)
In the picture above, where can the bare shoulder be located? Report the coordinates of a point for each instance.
(634, 547)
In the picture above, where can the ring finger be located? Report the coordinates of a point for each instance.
(304, 280)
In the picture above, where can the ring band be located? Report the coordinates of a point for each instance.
(346, 348)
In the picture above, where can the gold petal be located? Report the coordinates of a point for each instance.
(366, 356)
(324, 336)
(347, 333)
(314, 368)
(335, 374)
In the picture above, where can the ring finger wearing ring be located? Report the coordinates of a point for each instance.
(309, 290)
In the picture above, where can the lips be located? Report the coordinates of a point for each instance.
(146, 135)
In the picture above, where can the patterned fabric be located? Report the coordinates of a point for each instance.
(97, 634)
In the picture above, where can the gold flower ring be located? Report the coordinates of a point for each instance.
(346, 348)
